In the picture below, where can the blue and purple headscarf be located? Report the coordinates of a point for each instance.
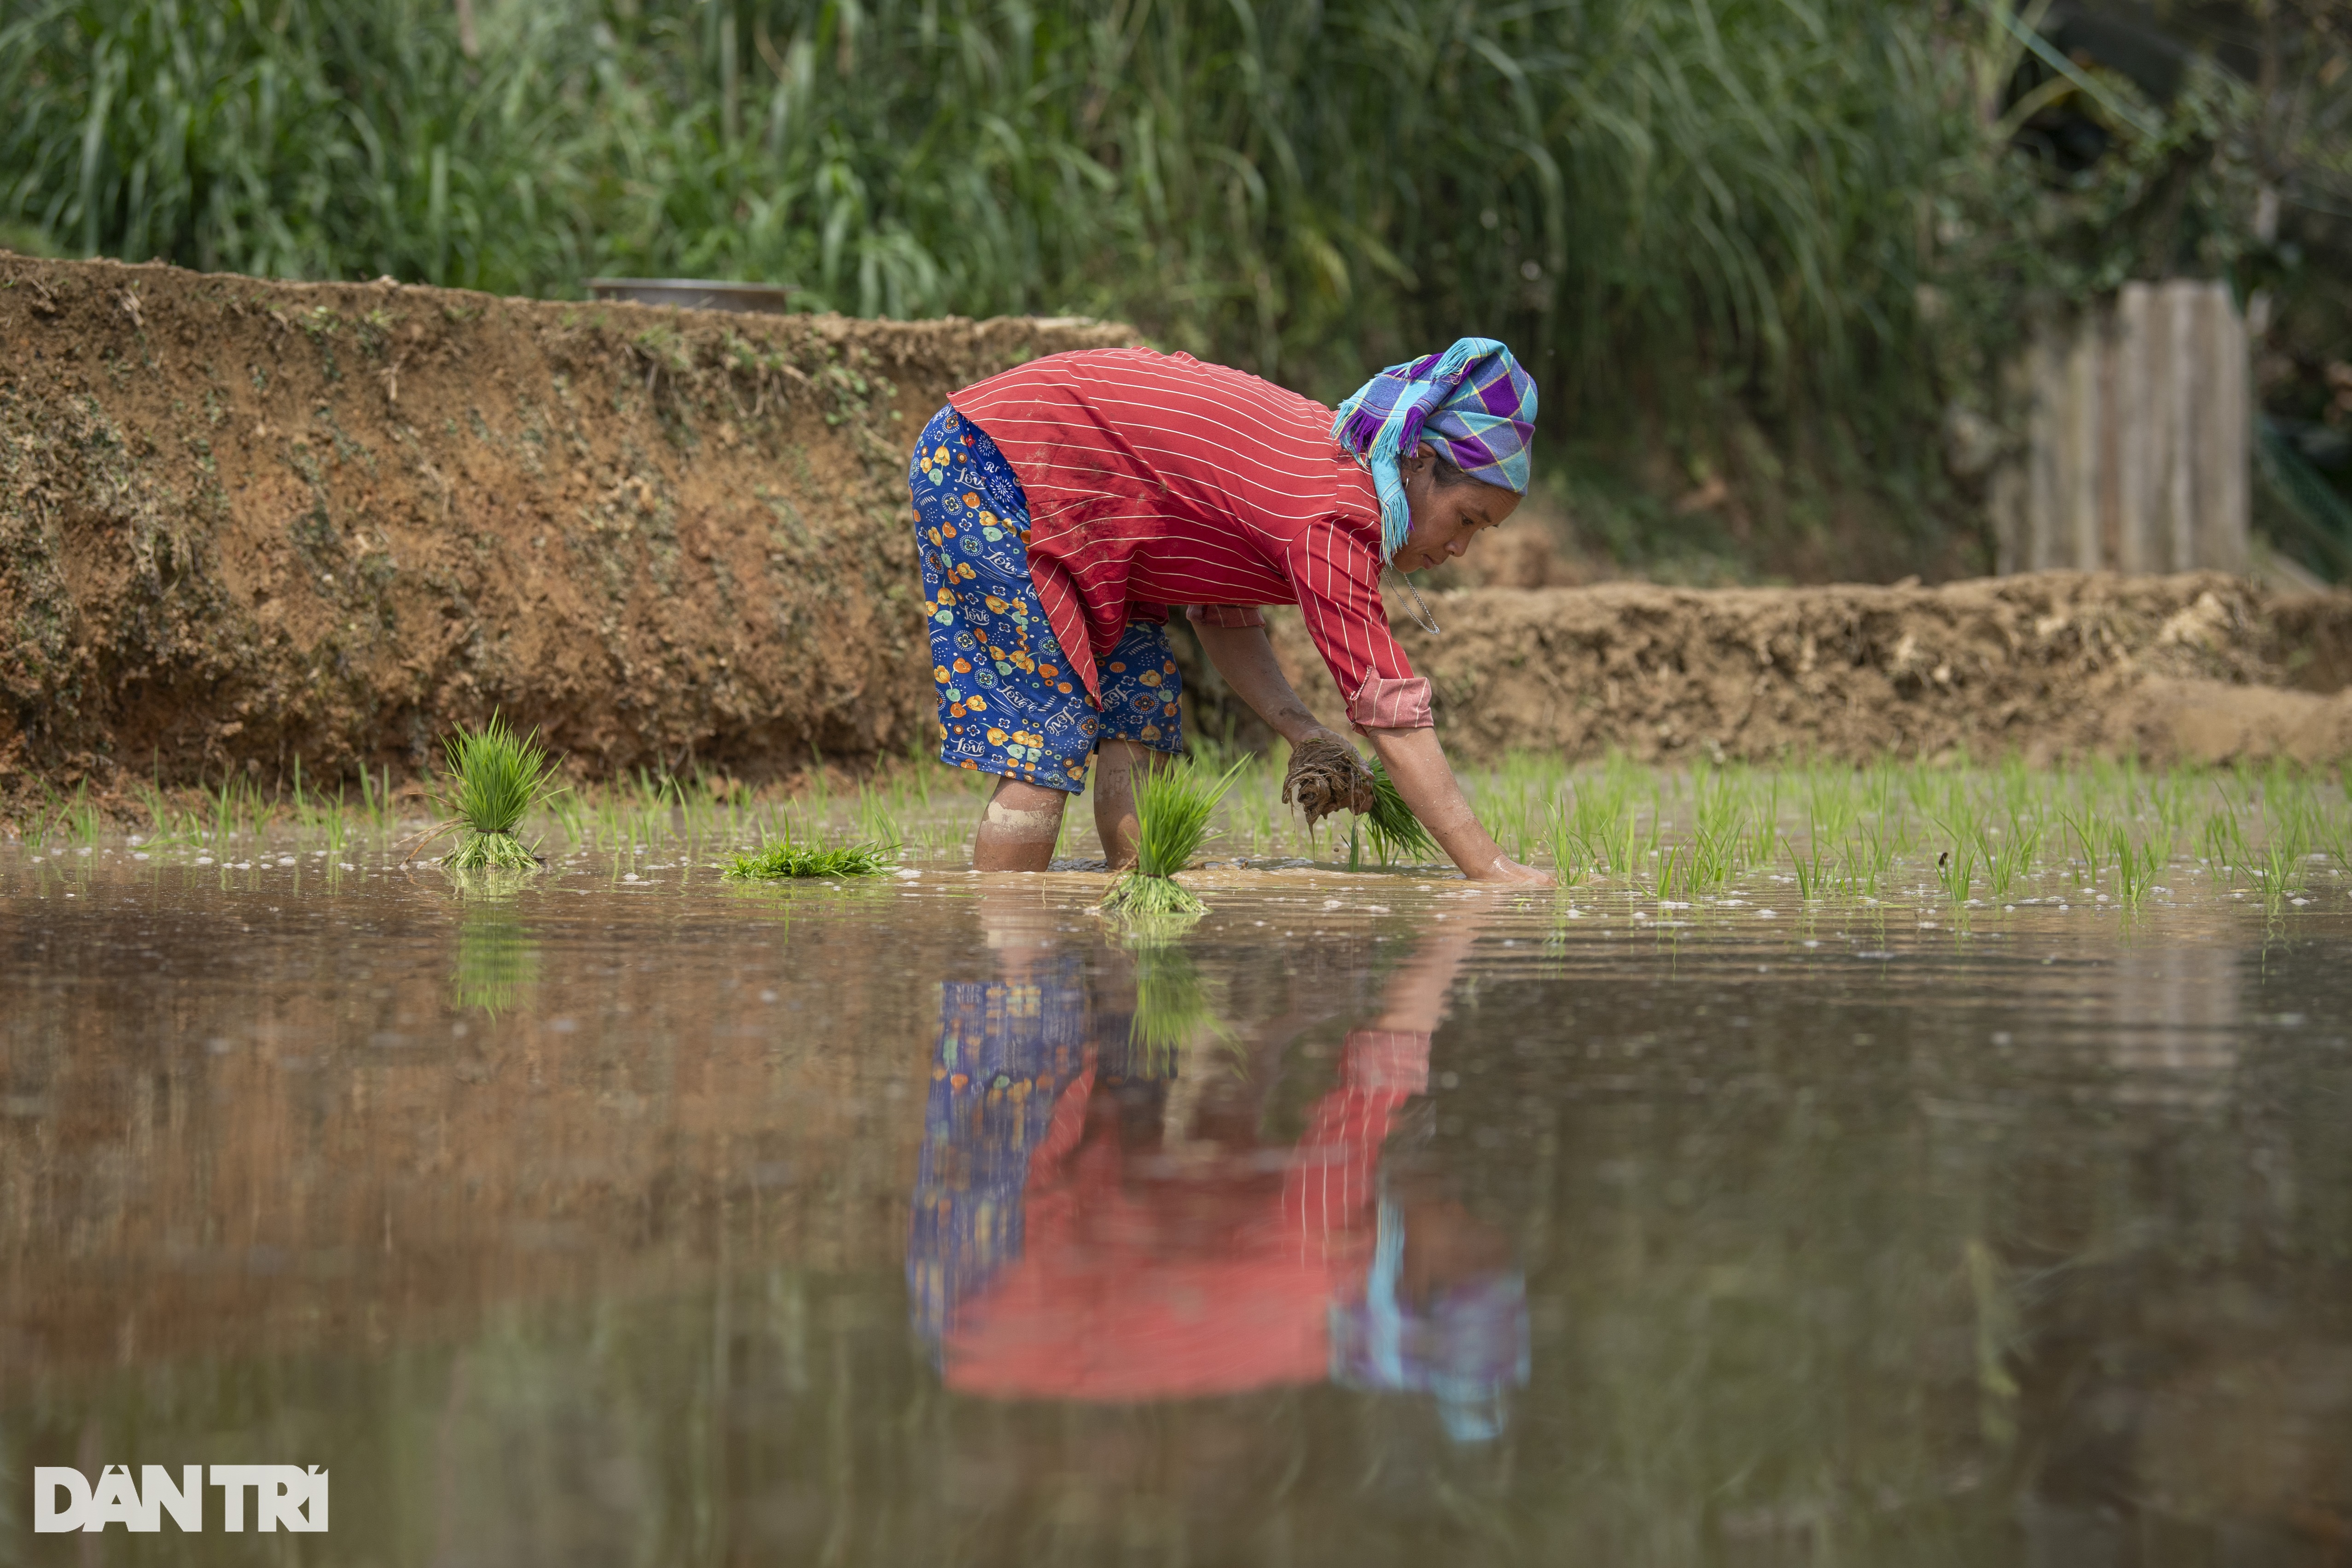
(1473, 404)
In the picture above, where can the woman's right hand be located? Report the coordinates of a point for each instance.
(1417, 763)
(1506, 870)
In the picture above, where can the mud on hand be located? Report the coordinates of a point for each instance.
(1327, 775)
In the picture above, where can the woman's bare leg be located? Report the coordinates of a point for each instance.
(1115, 821)
(1018, 830)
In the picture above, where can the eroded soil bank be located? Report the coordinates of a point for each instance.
(2198, 667)
(245, 522)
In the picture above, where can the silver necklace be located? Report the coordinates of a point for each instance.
(1419, 611)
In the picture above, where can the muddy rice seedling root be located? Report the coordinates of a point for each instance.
(1327, 775)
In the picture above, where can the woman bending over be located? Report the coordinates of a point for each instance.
(1064, 506)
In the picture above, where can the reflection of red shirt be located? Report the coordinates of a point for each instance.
(1155, 479)
(1181, 1288)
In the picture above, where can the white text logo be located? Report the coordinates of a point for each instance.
(284, 1496)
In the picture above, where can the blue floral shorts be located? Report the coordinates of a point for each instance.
(1009, 702)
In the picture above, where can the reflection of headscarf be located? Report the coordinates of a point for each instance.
(1473, 403)
(1467, 1347)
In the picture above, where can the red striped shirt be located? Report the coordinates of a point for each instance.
(1154, 480)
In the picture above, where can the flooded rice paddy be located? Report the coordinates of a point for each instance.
(618, 1213)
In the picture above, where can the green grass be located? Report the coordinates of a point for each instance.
(1172, 808)
(492, 778)
(1738, 203)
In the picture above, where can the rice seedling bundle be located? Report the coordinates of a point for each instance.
(787, 858)
(1396, 834)
(1172, 806)
(492, 778)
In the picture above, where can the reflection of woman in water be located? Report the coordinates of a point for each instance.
(1061, 1249)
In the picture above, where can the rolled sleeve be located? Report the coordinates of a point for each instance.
(1225, 615)
(1381, 703)
(1337, 575)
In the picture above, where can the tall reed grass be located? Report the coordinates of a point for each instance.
(1744, 186)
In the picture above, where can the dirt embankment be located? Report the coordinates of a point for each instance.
(2198, 667)
(245, 523)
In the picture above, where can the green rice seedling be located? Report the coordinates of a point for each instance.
(2171, 795)
(306, 810)
(2224, 840)
(493, 778)
(151, 801)
(570, 818)
(1394, 831)
(874, 821)
(2333, 832)
(1876, 844)
(1572, 854)
(2136, 867)
(788, 858)
(2089, 842)
(2282, 860)
(375, 801)
(1711, 855)
(1599, 823)
(1173, 805)
(1955, 869)
(81, 819)
(220, 808)
(2013, 857)
(1673, 878)
(1810, 866)
(329, 821)
(1764, 823)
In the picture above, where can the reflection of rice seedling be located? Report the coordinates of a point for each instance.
(1396, 834)
(1171, 1001)
(497, 960)
(785, 858)
(1171, 812)
(493, 779)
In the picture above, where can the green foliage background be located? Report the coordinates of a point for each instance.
(1766, 238)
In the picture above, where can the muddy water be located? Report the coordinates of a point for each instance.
(594, 1221)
